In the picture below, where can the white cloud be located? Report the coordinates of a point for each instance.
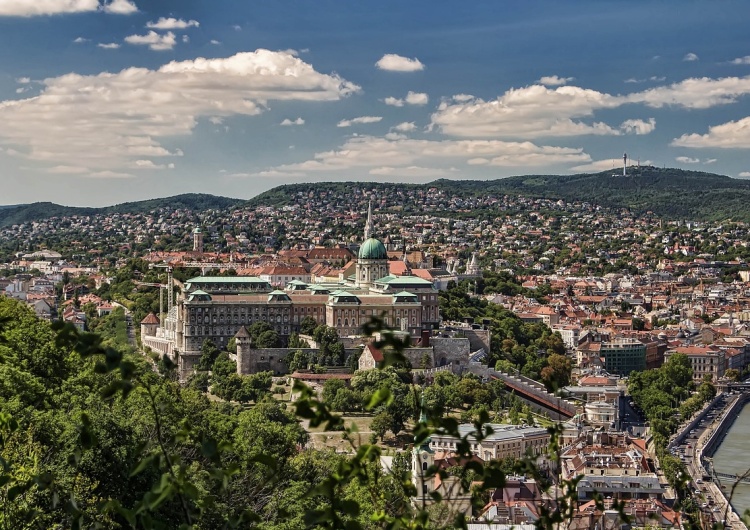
(109, 120)
(730, 135)
(412, 98)
(215, 42)
(638, 126)
(216, 120)
(744, 174)
(23, 80)
(120, 7)
(530, 112)
(172, 23)
(417, 98)
(185, 39)
(153, 40)
(708, 161)
(687, 160)
(150, 164)
(369, 152)
(462, 98)
(741, 60)
(67, 170)
(397, 63)
(411, 171)
(537, 111)
(298, 121)
(690, 57)
(108, 45)
(30, 8)
(80, 40)
(406, 126)
(107, 174)
(237, 27)
(694, 93)
(271, 173)
(655, 78)
(553, 80)
(360, 120)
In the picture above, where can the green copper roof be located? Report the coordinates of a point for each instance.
(372, 249)
(404, 280)
(226, 279)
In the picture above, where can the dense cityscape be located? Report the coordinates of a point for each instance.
(527, 312)
(374, 266)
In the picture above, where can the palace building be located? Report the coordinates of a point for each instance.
(217, 308)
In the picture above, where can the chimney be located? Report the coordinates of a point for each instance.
(425, 342)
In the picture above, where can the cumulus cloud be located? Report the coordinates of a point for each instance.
(172, 23)
(538, 111)
(153, 40)
(462, 98)
(528, 112)
(298, 121)
(108, 45)
(23, 80)
(690, 57)
(108, 121)
(107, 174)
(406, 126)
(411, 171)
(80, 40)
(638, 126)
(120, 7)
(687, 160)
(553, 80)
(744, 174)
(694, 93)
(369, 152)
(360, 120)
(215, 42)
(30, 8)
(397, 63)
(412, 98)
(741, 60)
(730, 135)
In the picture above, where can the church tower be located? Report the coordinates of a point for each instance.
(198, 240)
(372, 260)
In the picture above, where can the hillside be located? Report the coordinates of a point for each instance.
(669, 193)
(10, 215)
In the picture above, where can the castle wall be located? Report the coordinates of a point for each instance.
(265, 359)
(453, 351)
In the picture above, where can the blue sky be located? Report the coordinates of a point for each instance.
(105, 101)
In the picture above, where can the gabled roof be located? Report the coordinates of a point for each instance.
(242, 333)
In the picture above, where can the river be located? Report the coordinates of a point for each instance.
(733, 457)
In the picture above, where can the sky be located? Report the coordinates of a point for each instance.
(107, 101)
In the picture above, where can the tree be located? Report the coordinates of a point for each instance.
(381, 424)
(307, 326)
(556, 374)
(209, 353)
(268, 339)
(330, 388)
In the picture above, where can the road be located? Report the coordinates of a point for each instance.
(705, 492)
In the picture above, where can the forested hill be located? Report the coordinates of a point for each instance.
(10, 215)
(668, 192)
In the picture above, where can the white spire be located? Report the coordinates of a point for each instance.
(369, 230)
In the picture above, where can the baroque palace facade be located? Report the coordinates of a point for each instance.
(216, 308)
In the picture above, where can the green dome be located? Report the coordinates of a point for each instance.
(372, 249)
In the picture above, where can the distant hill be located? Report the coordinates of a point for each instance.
(18, 214)
(669, 193)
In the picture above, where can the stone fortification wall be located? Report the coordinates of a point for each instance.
(265, 359)
(450, 351)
